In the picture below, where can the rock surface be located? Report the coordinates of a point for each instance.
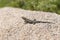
(13, 27)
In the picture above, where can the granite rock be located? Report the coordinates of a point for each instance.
(13, 27)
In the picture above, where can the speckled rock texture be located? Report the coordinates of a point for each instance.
(13, 27)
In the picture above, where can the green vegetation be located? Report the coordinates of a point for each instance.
(38, 5)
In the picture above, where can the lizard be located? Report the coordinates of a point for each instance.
(33, 21)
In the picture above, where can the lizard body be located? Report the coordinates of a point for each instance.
(33, 21)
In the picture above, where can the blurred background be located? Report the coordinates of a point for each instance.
(38, 5)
